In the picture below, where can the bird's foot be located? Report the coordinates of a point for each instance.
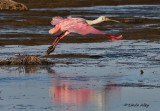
(50, 49)
(119, 37)
(116, 37)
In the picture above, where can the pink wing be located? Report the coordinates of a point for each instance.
(83, 28)
(56, 20)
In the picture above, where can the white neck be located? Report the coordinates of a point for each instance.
(96, 21)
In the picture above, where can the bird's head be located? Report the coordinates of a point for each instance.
(104, 18)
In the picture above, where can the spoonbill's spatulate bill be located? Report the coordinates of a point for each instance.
(77, 25)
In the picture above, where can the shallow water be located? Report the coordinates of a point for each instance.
(89, 74)
(106, 80)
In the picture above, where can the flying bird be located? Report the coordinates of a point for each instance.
(76, 25)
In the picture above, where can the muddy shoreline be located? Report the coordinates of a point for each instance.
(12, 5)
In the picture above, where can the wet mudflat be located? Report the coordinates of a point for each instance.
(90, 72)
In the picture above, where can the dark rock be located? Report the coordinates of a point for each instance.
(12, 5)
(25, 60)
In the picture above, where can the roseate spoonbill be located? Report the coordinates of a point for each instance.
(76, 25)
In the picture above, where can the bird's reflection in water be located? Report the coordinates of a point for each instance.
(66, 93)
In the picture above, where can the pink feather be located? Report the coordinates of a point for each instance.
(56, 20)
(78, 25)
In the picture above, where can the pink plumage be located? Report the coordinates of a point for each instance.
(56, 20)
(79, 25)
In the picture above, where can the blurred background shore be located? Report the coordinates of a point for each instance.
(83, 3)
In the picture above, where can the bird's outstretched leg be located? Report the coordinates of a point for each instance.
(55, 43)
(52, 47)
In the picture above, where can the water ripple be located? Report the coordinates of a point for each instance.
(142, 11)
